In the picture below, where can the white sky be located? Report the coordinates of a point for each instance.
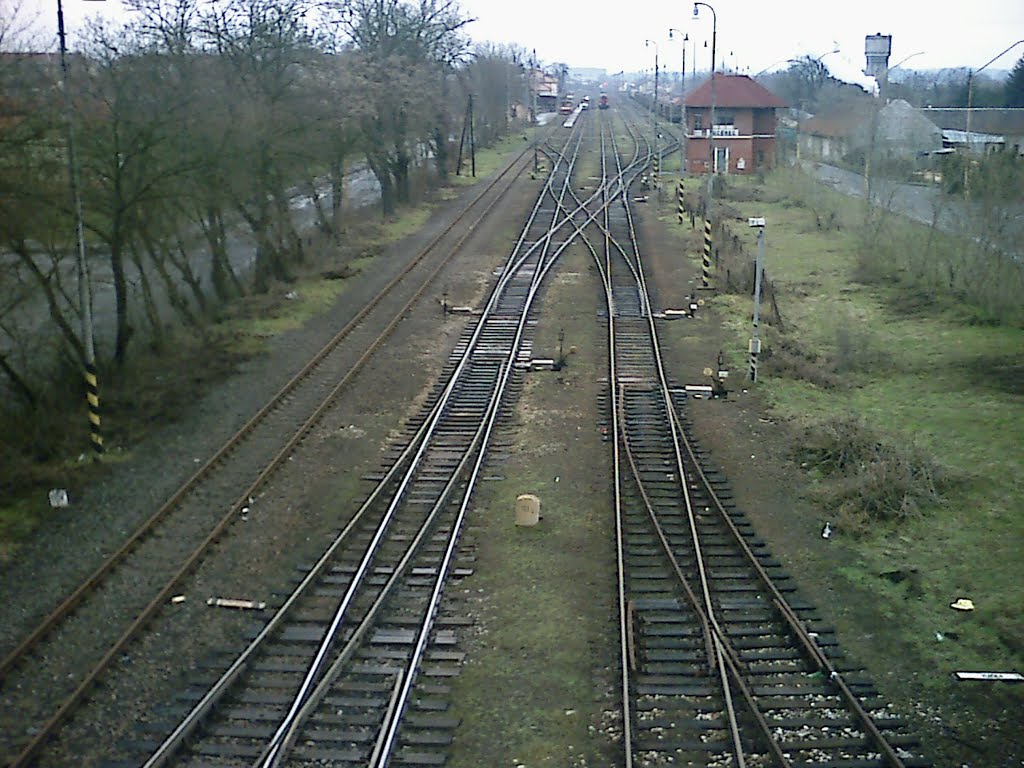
(603, 33)
(752, 36)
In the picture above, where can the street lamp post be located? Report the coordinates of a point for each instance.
(970, 96)
(682, 101)
(84, 289)
(711, 121)
(654, 113)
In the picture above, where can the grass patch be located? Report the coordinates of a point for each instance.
(928, 461)
(864, 477)
(488, 160)
(536, 685)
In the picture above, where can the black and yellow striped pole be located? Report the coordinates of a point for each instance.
(680, 208)
(705, 276)
(84, 291)
(657, 171)
(92, 395)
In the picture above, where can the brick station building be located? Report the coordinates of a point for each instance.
(744, 129)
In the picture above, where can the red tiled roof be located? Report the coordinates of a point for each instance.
(734, 91)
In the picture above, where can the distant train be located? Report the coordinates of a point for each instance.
(602, 103)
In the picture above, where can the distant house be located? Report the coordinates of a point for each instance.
(991, 128)
(897, 130)
(902, 132)
(744, 125)
(828, 137)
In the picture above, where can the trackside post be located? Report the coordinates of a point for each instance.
(755, 342)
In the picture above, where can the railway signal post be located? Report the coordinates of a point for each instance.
(755, 342)
(705, 266)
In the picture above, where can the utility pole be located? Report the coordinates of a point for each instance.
(755, 342)
(84, 290)
(654, 114)
(534, 85)
(682, 108)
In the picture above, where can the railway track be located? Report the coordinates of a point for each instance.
(350, 667)
(47, 676)
(722, 664)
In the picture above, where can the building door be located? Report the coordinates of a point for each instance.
(721, 159)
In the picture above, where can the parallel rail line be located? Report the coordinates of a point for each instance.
(413, 520)
(721, 662)
(258, 448)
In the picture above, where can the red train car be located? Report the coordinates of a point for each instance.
(603, 101)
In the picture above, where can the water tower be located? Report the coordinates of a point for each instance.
(876, 51)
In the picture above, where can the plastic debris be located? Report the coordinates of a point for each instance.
(1015, 677)
(58, 498)
(230, 602)
(962, 604)
(178, 599)
(939, 636)
(826, 532)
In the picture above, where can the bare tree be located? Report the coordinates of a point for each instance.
(264, 48)
(407, 52)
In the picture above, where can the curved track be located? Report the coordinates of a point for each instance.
(348, 669)
(721, 664)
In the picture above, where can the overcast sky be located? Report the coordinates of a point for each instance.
(752, 36)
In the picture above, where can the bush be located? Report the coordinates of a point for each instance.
(787, 358)
(866, 477)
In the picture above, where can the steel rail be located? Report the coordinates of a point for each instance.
(174, 740)
(716, 658)
(46, 730)
(620, 556)
(717, 642)
(72, 600)
(713, 644)
(815, 653)
(723, 652)
(288, 731)
(680, 442)
(284, 738)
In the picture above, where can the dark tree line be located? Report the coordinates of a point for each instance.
(199, 119)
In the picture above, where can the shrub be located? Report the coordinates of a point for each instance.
(866, 476)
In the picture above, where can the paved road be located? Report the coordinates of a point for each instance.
(918, 202)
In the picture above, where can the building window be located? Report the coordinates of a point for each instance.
(698, 122)
(760, 156)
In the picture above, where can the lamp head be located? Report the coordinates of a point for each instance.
(695, 11)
